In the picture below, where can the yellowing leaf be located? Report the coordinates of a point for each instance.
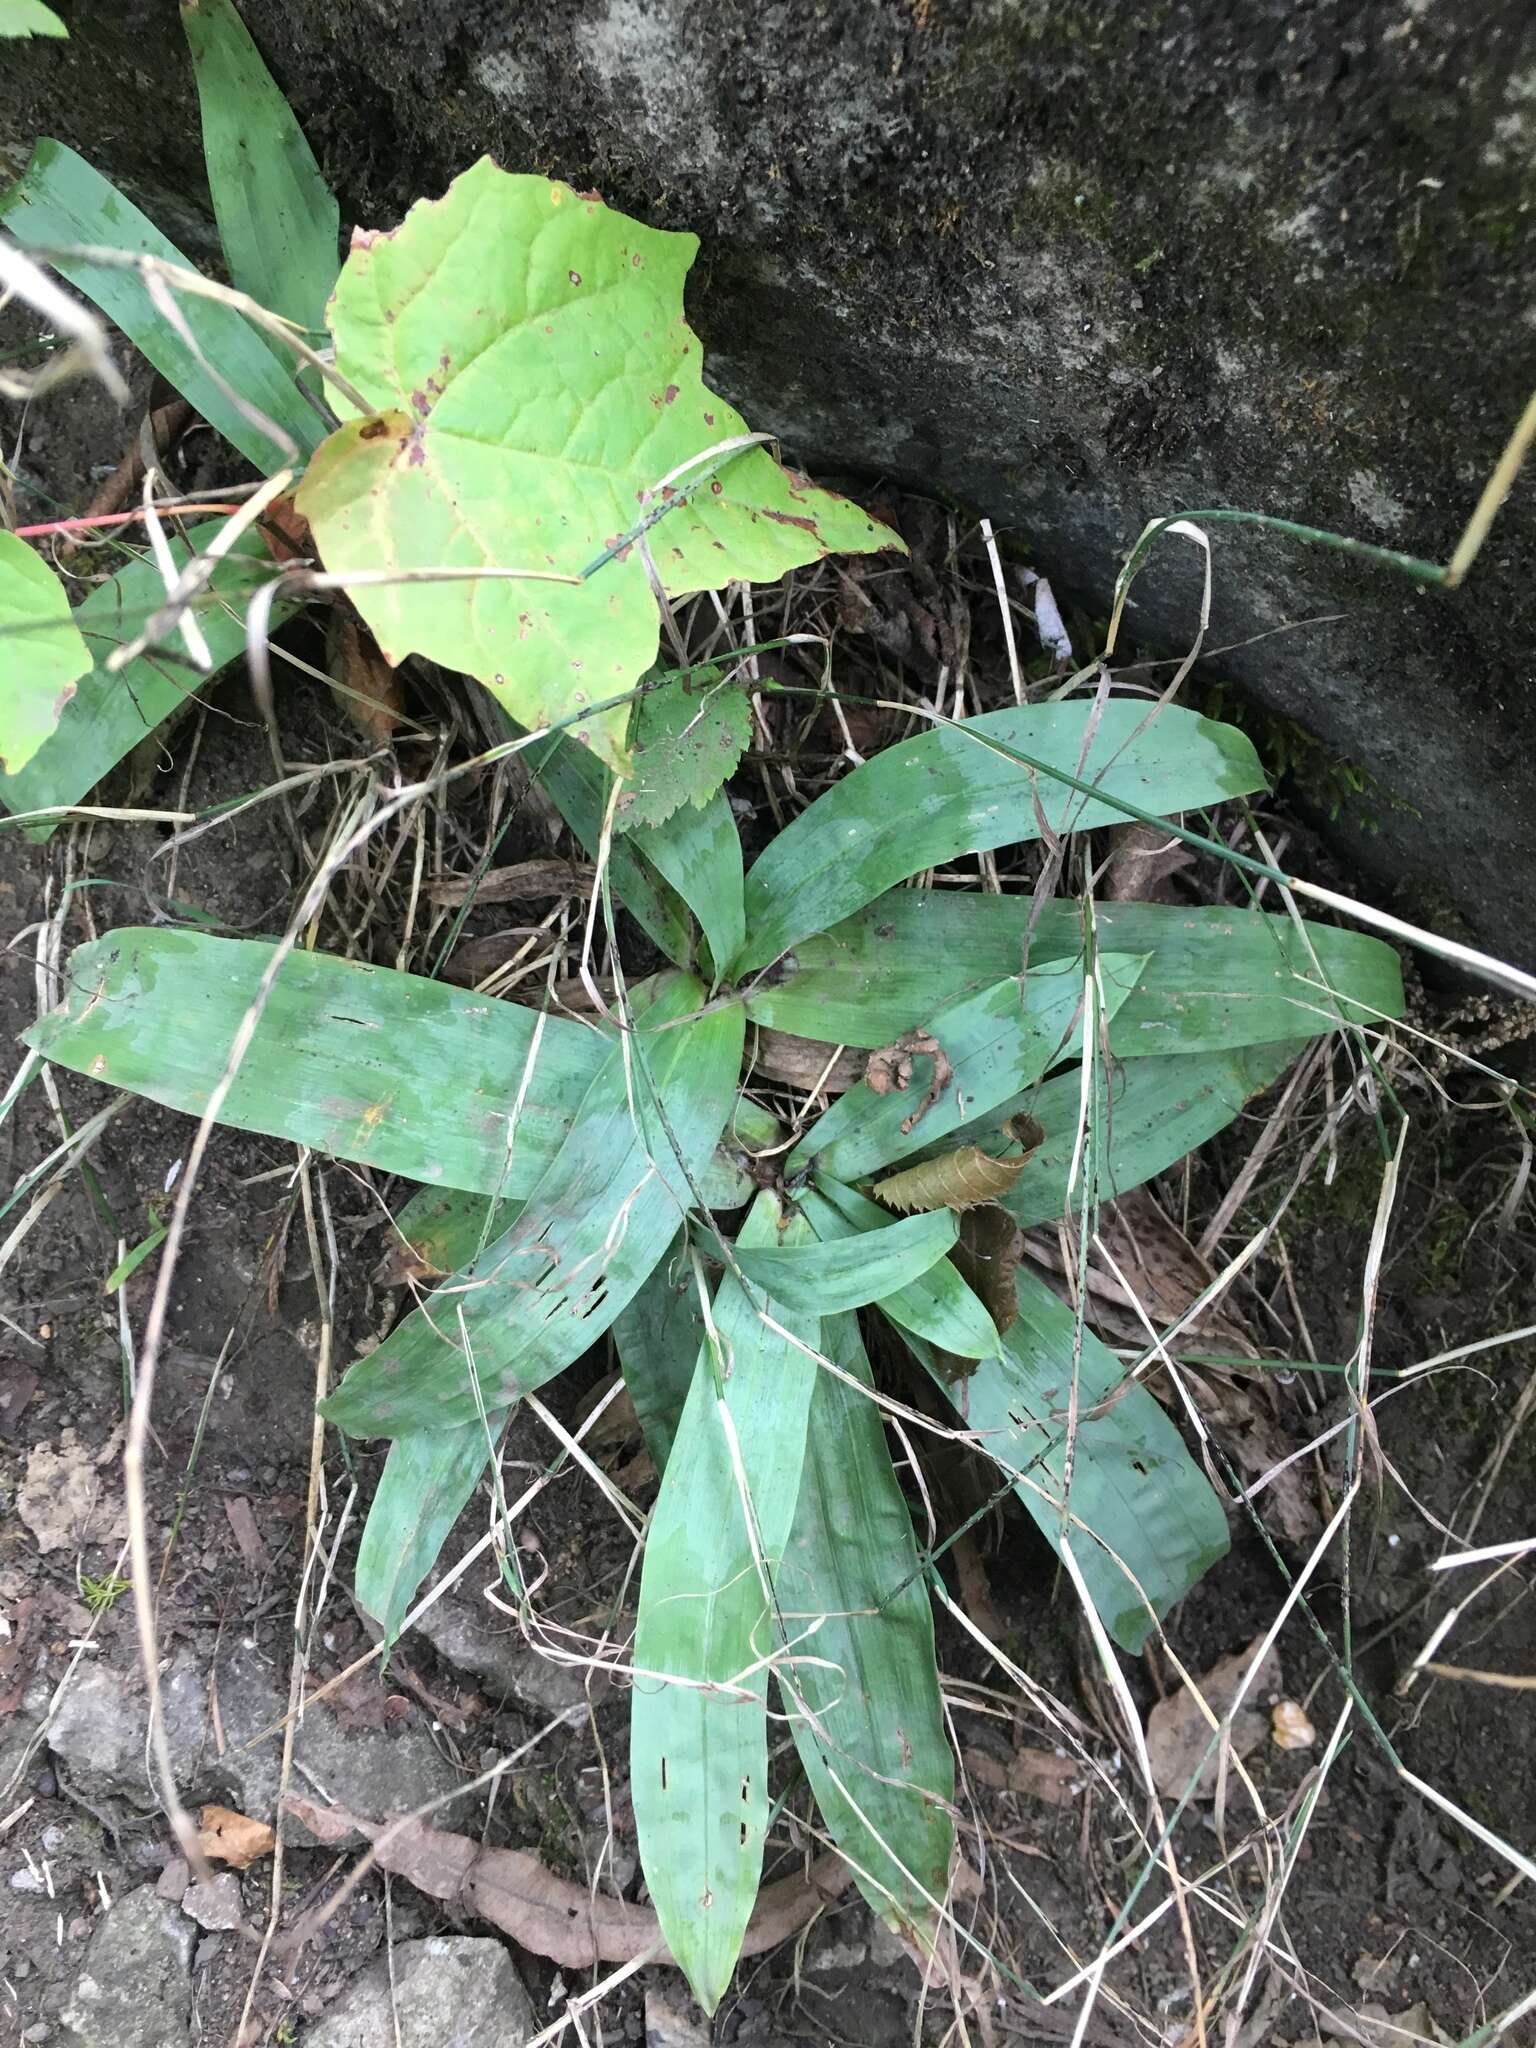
(534, 381)
(42, 654)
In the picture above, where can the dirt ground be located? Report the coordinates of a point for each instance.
(1391, 1907)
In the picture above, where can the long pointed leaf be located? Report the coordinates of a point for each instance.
(595, 1225)
(42, 649)
(109, 714)
(937, 1305)
(698, 1714)
(657, 1338)
(1150, 1113)
(1214, 978)
(1134, 1487)
(387, 1069)
(277, 219)
(997, 1042)
(60, 200)
(931, 799)
(427, 1479)
(846, 1272)
(863, 1694)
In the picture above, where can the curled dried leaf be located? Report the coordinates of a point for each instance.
(956, 1180)
(987, 1254)
(233, 1838)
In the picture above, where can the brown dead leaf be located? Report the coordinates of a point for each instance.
(1142, 861)
(802, 1062)
(1178, 1731)
(555, 1918)
(63, 1500)
(364, 684)
(891, 1069)
(530, 881)
(247, 1535)
(987, 1254)
(975, 1594)
(986, 1770)
(1038, 1774)
(1162, 1271)
(233, 1838)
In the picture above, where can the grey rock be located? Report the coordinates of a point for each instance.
(173, 1880)
(134, 1989)
(450, 1991)
(1073, 267)
(98, 1736)
(472, 1636)
(216, 1902)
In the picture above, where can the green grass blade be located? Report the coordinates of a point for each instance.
(846, 1272)
(998, 1041)
(931, 799)
(60, 200)
(699, 1748)
(937, 1305)
(390, 1070)
(109, 714)
(864, 1706)
(596, 1223)
(1214, 978)
(277, 219)
(657, 1338)
(427, 1479)
(1134, 1486)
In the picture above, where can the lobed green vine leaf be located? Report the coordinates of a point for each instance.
(537, 393)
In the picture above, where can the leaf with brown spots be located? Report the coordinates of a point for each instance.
(539, 411)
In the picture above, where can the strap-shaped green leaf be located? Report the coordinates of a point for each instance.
(595, 1224)
(384, 1068)
(997, 1042)
(706, 1629)
(427, 1480)
(846, 1272)
(534, 381)
(277, 219)
(931, 799)
(657, 1338)
(60, 200)
(859, 1682)
(937, 1305)
(109, 714)
(1148, 1113)
(41, 649)
(1137, 1498)
(1214, 978)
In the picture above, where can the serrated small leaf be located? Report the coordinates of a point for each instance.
(685, 739)
(41, 650)
(962, 1179)
(534, 381)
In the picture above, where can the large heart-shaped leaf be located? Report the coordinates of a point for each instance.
(534, 380)
(44, 655)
